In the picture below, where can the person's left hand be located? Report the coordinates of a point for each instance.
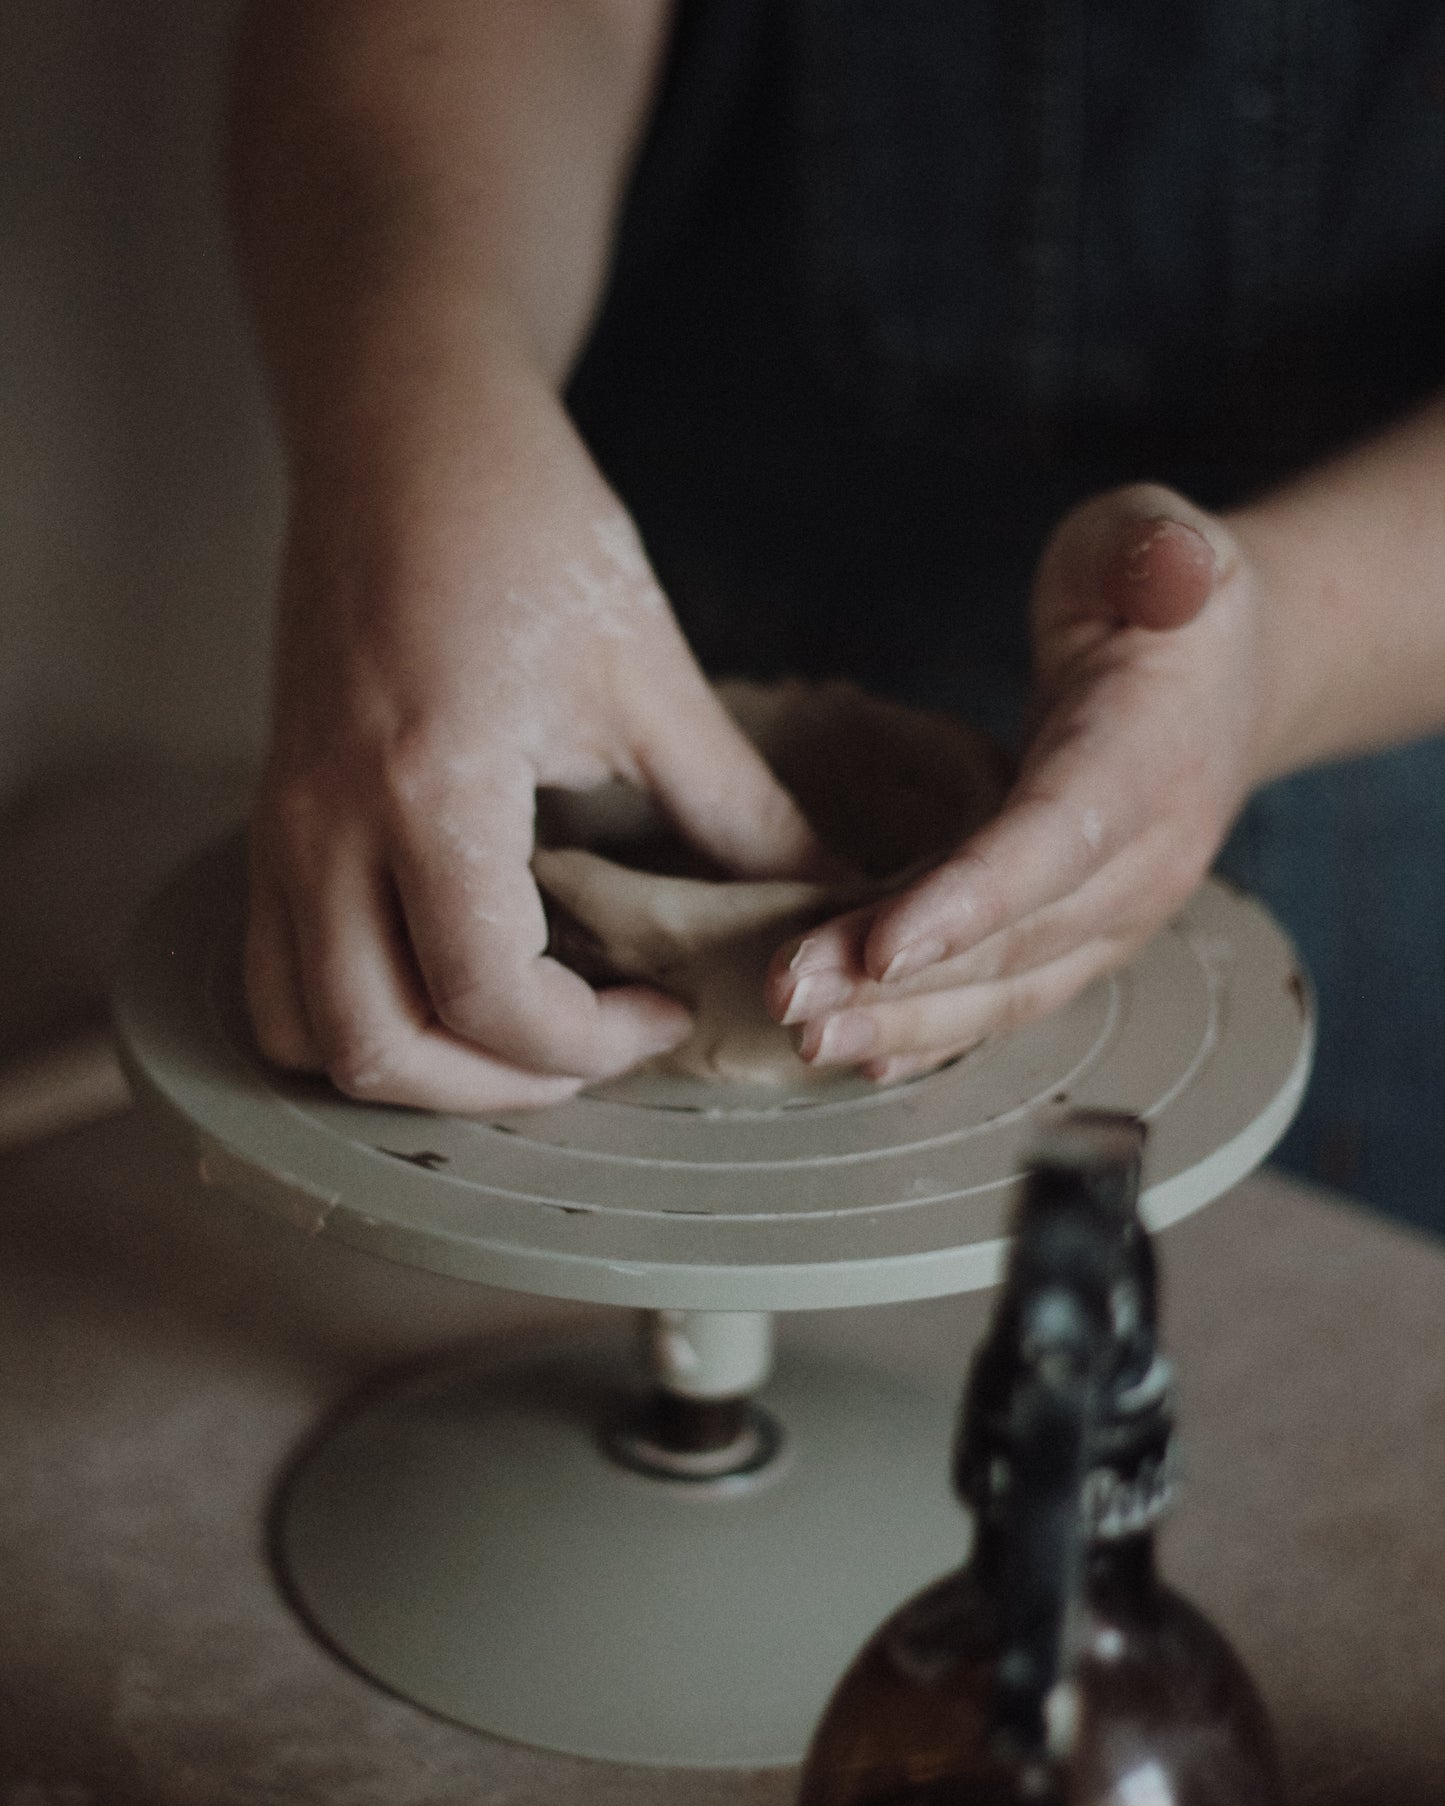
(1146, 742)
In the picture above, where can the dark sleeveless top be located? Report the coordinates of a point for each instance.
(899, 280)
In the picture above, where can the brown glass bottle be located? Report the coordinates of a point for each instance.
(1055, 1668)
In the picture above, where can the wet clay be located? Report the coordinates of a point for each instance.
(888, 789)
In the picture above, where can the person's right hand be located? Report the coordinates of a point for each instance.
(467, 614)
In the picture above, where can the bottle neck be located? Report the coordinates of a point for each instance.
(1120, 1569)
(1117, 1570)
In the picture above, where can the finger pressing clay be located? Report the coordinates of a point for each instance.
(888, 789)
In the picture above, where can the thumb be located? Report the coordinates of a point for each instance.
(1142, 556)
(717, 788)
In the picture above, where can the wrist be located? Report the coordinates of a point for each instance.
(420, 519)
(405, 367)
(1248, 579)
(1351, 556)
(1294, 714)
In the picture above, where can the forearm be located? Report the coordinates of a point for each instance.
(425, 190)
(1351, 562)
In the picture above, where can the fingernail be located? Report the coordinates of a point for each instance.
(1139, 563)
(891, 1071)
(1139, 557)
(912, 958)
(808, 956)
(814, 993)
(839, 1039)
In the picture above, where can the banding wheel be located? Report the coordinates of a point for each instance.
(670, 1561)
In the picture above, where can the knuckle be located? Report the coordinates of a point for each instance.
(415, 772)
(973, 900)
(497, 1010)
(472, 1010)
(428, 779)
(462, 1004)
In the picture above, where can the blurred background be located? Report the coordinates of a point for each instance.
(140, 492)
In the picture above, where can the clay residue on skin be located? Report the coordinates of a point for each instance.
(1140, 556)
(598, 595)
(618, 542)
(889, 790)
(704, 942)
(606, 596)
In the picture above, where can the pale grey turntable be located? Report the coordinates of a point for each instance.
(671, 1561)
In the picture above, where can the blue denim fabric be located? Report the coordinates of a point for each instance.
(898, 283)
(1352, 860)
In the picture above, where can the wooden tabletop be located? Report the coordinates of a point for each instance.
(162, 1352)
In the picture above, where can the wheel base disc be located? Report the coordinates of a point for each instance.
(465, 1540)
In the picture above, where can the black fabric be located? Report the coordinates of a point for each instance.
(897, 283)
